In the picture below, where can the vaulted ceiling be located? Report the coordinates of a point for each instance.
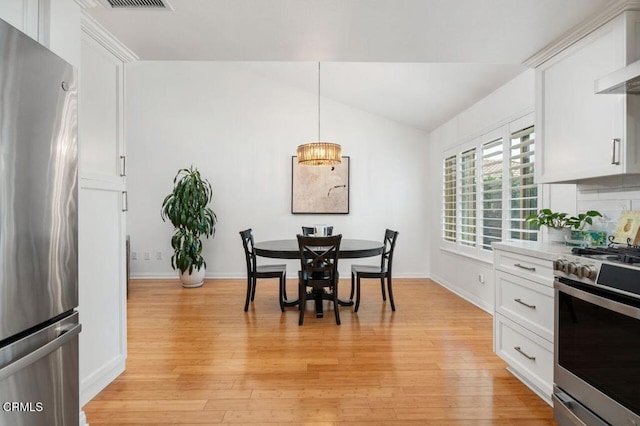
(418, 62)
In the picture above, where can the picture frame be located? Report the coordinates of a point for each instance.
(320, 189)
(628, 228)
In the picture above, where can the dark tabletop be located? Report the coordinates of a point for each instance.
(288, 249)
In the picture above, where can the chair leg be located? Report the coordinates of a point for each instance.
(284, 287)
(393, 305)
(253, 289)
(357, 293)
(336, 306)
(249, 289)
(352, 286)
(384, 295)
(302, 301)
(281, 282)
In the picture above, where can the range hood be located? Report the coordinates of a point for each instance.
(624, 80)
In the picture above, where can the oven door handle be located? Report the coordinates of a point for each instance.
(621, 308)
(567, 406)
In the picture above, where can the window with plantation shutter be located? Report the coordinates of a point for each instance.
(449, 199)
(489, 189)
(468, 197)
(491, 180)
(523, 190)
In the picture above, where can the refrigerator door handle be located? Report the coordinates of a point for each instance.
(41, 352)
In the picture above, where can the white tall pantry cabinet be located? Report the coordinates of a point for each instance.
(102, 198)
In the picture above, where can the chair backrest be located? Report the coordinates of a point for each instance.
(249, 253)
(308, 230)
(389, 242)
(311, 230)
(319, 257)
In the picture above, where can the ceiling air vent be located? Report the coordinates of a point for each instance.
(138, 4)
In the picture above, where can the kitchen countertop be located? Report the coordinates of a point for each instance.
(548, 251)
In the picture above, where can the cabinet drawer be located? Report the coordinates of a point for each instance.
(526, 302)
(533, 268)
(528, 355)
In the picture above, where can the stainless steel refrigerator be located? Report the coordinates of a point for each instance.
(39, 326)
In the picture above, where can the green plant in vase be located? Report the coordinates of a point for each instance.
(186, 207)
(559, 221)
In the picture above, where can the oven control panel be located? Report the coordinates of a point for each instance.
(576, 268)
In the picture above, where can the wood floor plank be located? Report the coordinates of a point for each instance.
(196, 358)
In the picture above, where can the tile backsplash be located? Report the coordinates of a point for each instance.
(609, 196)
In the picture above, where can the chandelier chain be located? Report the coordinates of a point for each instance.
(319, 102)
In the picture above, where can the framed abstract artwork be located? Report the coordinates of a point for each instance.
(320, 189)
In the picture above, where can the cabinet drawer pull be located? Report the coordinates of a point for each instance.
(615, 153)
(526, 355)
(525, 304)
(528, 268)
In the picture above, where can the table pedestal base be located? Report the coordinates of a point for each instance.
(319, 295)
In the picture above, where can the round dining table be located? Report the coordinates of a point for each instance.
(288, 249)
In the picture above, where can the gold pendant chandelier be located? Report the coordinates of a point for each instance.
(319, 153)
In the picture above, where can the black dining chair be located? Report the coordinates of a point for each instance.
(255, 271)
(311, 230)
(319, 270)
(381, 272)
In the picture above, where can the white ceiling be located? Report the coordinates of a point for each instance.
(418, 62)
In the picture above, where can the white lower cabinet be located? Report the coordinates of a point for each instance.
(523, 318)
(530, 357)
(525, 302)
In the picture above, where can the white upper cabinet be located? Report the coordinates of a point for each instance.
(22, 14)
(585, 135)
(101, 130)
(53, 23)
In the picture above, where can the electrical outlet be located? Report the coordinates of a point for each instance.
(158, 255)
(147, 255)
(481, 278)
(134, 255)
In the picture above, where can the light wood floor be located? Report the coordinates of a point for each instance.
(196, 358)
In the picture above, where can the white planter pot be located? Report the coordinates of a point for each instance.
(194, 279)
(558, 235)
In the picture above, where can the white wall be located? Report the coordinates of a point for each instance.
(241, 129)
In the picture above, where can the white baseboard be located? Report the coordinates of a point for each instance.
(471, 298)
(96, 382)
(242, 275)
(175, 276)
(83, 419)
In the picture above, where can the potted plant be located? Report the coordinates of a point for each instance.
(187, 209)
(560, 224)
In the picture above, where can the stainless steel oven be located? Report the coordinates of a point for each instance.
(597, 341)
